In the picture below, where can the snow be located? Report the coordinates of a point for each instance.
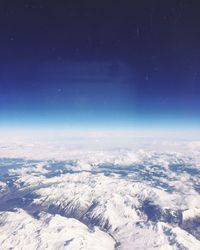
(19, 230)
(65, 196)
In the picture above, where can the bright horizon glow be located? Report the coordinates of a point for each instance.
(102, 132)
(125, 121)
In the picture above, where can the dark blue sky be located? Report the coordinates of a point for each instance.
(100, 63)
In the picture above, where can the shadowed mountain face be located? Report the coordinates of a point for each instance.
(137, 198)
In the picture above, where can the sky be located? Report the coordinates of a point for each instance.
(100, 64)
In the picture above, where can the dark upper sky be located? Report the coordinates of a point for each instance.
(99, 62)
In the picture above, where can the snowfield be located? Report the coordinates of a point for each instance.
(49, 232)
(58, 196)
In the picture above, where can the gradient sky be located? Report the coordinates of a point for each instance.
(101, 63)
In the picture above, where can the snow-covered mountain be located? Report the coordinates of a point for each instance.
(59, 197)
